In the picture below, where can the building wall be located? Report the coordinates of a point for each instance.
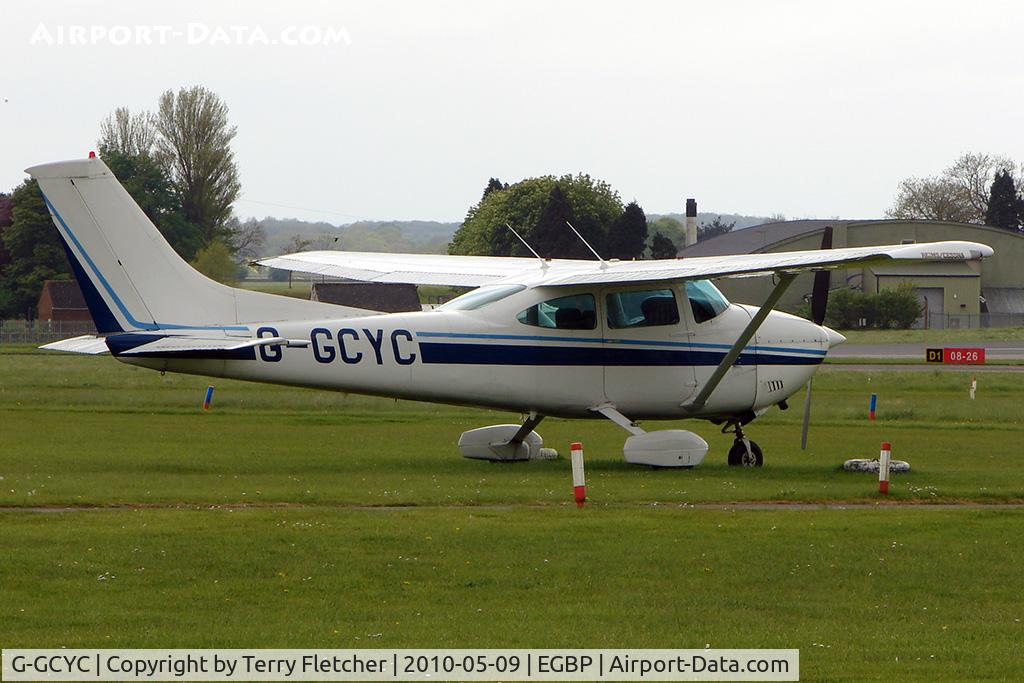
(960, 294)
(45, 307)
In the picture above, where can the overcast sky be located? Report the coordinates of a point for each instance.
(810, 109)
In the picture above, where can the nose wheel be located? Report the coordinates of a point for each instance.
(744, 452)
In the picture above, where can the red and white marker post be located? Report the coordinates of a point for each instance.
(884, 459)
(579, 484)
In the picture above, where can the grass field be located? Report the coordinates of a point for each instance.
(297, 288)
(293, 518)
(947, 336)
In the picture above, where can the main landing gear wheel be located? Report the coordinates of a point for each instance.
(740, 457)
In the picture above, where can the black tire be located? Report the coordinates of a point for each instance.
(738, 455)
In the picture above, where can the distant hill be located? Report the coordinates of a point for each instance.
(418, 237)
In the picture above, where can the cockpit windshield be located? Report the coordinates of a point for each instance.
(480, 297)
(706, 301)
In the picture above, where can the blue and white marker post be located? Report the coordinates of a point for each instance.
(209, 397)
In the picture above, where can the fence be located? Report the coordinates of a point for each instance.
(970, 321)
(42, 331)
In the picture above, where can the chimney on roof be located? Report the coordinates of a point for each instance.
(691, 223)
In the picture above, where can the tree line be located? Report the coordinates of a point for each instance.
(976, 188)
(176, 162)
(542, 209)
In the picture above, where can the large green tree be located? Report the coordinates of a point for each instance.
(662, 247)
(131, 134)
(35, 252)
(179, 167)
(1005, 207)
(627, 236)
(5, 222)
(594, 204)
(5, 257)
(194, 144)
(552, 236)
(492, 185)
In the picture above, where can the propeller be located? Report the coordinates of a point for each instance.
(819, 306)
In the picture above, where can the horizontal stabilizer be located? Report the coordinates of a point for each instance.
(87, 343)
(177, 345)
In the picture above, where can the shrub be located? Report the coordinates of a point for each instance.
(889, 309)
(897, 308)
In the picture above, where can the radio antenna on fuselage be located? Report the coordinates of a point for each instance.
(543, 263)
(604, 264)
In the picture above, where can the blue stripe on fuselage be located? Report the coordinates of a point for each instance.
(602, 340)
(514, 354)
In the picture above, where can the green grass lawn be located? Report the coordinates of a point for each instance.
(295, 518)
(890, 594)
(297, 288)
(950, 336)
(89, 430)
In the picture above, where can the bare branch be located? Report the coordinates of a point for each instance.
(130, 134)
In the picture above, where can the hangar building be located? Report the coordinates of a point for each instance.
(974, 294)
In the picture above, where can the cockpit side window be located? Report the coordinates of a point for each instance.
(647, 308)
(578, 312)
(706, 301)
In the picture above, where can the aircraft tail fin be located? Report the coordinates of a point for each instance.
(131, 277)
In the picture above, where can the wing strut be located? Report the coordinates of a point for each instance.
(785, 279)
(531, 422)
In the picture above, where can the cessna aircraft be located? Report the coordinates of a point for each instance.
(570, 338)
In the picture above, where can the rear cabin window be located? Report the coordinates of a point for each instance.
(706, 301)
(577, 312)
(648, 308)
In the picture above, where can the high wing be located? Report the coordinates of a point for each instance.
(416, 269)
(473, 271)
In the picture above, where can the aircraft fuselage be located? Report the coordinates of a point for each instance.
(485, 357)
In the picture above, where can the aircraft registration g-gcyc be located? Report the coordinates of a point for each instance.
(623, 340)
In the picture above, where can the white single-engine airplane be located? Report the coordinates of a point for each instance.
(569, 338)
